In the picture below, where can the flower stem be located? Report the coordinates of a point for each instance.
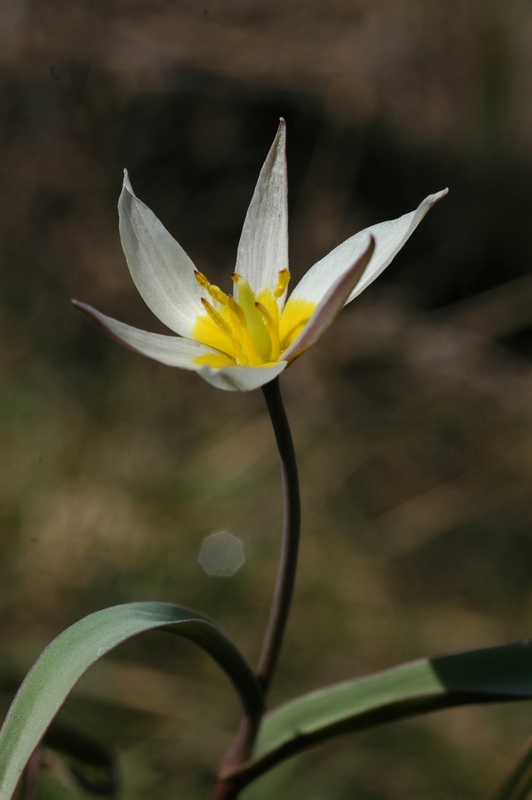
(286, 574)
(229, 785)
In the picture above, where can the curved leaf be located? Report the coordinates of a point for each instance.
(66, 659)
(496, 674)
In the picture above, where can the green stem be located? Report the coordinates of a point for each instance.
(286, 574)
(228, 786)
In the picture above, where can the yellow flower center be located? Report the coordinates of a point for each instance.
(248, 330)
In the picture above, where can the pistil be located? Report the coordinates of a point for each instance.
(258, 332)
(272, 329)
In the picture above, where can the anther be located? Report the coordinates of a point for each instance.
(214, 291)
(283, 279)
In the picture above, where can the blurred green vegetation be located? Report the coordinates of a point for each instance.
(412, 417)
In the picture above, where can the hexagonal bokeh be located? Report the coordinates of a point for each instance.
(221, 554)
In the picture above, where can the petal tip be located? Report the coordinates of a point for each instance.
(83, 307)
(126, 185)
(433, 198)
(280, 136)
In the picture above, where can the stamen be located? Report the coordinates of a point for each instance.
(250, 326)
(272, 330)
(225, 328)
(201, 279)
(217, 318)
(214, 291)
(283, 279)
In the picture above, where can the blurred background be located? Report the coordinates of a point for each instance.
(412, 417)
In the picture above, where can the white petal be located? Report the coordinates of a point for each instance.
(171, 350)
(263, 247)
(331, 305)
(241, 379)
(160, 268)
(389, 236)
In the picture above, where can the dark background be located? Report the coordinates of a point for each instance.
(411, 417)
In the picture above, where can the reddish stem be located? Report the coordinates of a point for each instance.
(228, 786)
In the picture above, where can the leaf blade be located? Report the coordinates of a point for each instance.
(65, 660)
(497, 674)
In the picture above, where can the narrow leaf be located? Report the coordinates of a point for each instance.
(497, 674)
(66, 659)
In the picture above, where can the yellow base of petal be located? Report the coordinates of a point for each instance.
(216, 361)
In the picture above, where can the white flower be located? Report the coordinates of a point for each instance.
(242, 341)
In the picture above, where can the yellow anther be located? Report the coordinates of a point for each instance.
(272, 329)
(283, 279)
(201, 279)
(214, 291)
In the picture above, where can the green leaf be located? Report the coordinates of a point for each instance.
(497, 674)
(66, 659)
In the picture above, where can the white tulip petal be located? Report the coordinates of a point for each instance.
(389, 237)
(173, 351)
(263, 247)
(160, 268)
(241, 379)
(331, 305)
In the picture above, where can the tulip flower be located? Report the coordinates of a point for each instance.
(244, 339)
